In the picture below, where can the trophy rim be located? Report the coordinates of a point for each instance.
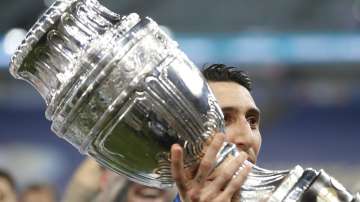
(49, 18)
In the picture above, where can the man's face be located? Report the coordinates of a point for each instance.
(242, 117)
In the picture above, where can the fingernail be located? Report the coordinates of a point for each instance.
(248, 163)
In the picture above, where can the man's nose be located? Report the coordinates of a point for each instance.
(240, 134)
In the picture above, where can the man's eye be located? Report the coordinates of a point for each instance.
(253, 121)
(228, 118)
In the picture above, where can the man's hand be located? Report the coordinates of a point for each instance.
(206, 183)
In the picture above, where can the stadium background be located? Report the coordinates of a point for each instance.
(303, 57)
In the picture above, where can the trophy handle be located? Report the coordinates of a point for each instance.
(327, 189)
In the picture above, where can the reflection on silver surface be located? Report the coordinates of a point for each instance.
(119, 89)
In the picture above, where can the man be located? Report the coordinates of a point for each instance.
(7, 187)
(231, 88)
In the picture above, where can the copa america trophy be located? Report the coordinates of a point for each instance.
(120, 90)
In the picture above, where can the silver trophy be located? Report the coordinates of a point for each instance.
(120, 90)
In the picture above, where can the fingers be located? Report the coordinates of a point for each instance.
(225, 185)
(235, 184)
(177, 168)
(225, 177)
(208, 161)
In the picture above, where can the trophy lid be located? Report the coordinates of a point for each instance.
(36, 32)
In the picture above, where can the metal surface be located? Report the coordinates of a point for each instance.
(119, 89)
(327, 189)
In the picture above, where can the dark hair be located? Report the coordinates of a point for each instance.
(221, 72)
(5, 175)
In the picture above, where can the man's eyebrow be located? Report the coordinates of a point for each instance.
(229, 109)
(254, 111)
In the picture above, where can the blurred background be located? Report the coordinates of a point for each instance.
(303, 57)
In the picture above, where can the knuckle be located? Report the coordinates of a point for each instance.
(194, 195)
(227, 175)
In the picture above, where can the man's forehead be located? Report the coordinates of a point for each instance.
(231, 94)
